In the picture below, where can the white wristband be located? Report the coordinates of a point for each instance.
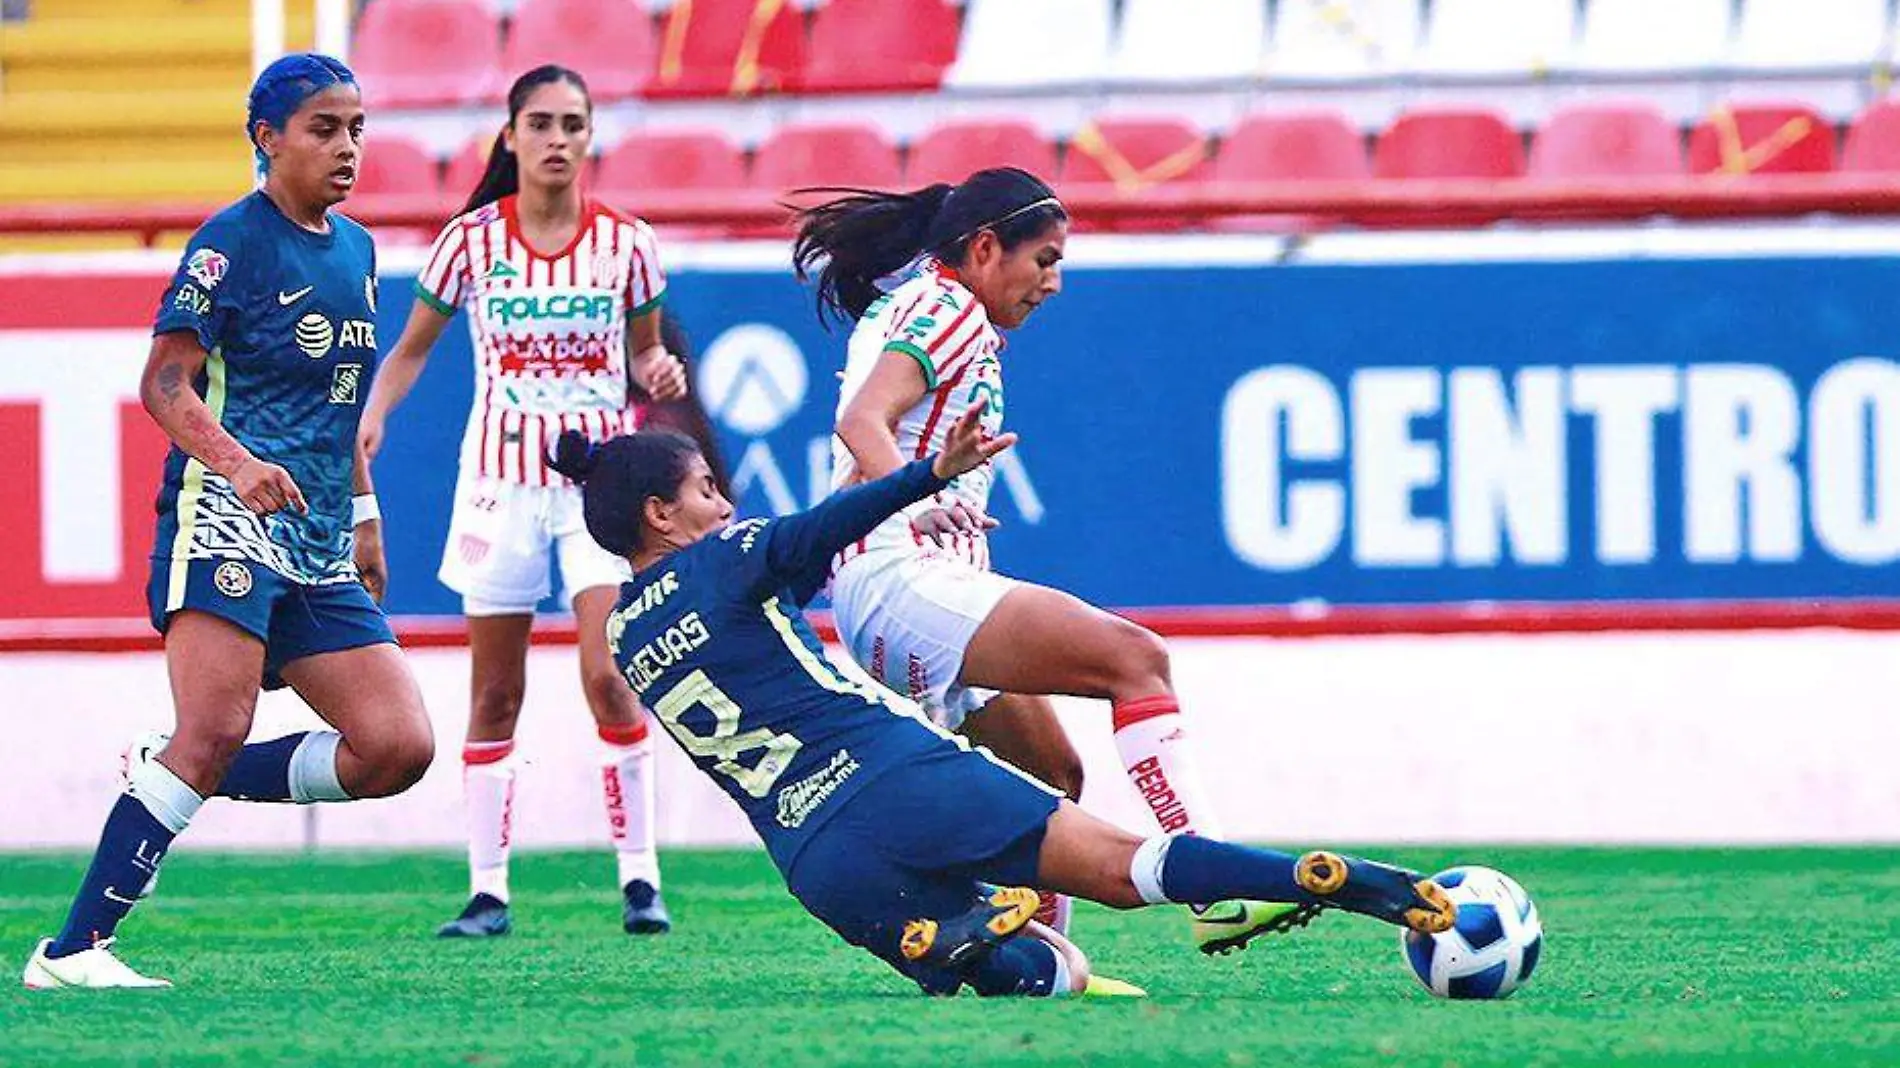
(364, 509)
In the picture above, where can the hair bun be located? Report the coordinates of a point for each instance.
(574, 456)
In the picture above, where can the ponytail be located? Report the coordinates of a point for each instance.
(853, 242)
(501, 178)
(859, 238)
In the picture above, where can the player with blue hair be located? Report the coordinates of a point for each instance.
(898, 835)
(268, 555)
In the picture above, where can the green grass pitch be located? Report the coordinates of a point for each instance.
(1724, 958)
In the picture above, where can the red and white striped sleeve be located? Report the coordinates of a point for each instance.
(646, 281)
(444, 281)
(941, 328)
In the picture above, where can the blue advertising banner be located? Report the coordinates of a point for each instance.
(1405, 434)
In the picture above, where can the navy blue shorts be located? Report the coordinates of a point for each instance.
(915, 843)
(291, 619)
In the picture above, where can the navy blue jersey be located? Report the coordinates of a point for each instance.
(287, 317)
(713, 641)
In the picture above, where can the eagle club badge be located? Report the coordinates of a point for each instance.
(232, 579)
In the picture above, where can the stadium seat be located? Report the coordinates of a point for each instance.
(1490, 38)
(1293, 147)
(424, 53)
(951, 152)
(1218, 40)
(729, 47)
(1449, 144)
(1873, 142)
(395, 164)
(465, 167)
(672, 159)
(1030, 43)
(1787, 35)
(1606, 141)
(610, 42)
(1648, 36)
(1325, 40)
(831, 154)
(1136, 154)
(1762, 139)
(875, 45)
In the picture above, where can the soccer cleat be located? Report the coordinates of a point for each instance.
(94, 968)
(1226, 926)
(1397, 896)
(143, 748)
(486, 916)
(999, 914)
(644, 913)
(1102, 986)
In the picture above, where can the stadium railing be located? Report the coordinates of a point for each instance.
(1299, 206)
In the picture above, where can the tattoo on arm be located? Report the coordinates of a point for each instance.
(171, 381)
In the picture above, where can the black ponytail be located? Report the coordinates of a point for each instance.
(855, 240)
(502, 177)
(618, 475)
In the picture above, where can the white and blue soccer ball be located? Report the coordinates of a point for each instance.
(1494, 948)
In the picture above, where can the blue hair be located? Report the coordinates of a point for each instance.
(282, 87)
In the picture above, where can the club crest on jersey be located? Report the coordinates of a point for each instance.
(207, 266)
(344, 383)
(232, 579)
(607, 272)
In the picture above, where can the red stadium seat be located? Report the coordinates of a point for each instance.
(1136, 154)
(466, 167)
(953, 151)
(667, 160)
(1873, 142)
(424, 53)
(1449, 144)
(1293, 147)
(1609, 141)
(826, 154)
(875, 45)
(1762, 139)
(394, 164)
(729, 47)
(610, 42)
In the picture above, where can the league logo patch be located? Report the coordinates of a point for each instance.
(485, 214)
(232, 579)
(207, 266)
(344, 382)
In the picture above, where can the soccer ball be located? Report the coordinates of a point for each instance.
(1494, 948)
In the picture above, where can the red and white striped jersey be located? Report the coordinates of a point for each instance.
(934, 319)
(550, 331)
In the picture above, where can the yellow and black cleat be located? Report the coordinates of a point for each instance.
(997, 916)
(1400, 897)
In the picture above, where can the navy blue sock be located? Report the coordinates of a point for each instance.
(130, 847)
(261, 770)
(1201, 871)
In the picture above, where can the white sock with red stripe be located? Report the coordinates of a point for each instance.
(626, 780)
(1151, 737)
(488, 787)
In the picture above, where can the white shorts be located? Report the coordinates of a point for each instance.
(499, 540)
(908, 619)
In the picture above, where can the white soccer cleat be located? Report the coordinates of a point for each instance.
(94, 968)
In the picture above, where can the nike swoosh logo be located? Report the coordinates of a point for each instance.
(287, 299)
(114, 896)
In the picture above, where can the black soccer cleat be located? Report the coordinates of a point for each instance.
(999, 913)
(1397, 896)
(643, 912)
(486, 916)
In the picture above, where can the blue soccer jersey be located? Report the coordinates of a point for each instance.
(713, 641)
(288, 318)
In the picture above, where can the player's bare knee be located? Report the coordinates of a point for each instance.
(1066, 776)
(494, 707)
(1141, 661)
(609, 697)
